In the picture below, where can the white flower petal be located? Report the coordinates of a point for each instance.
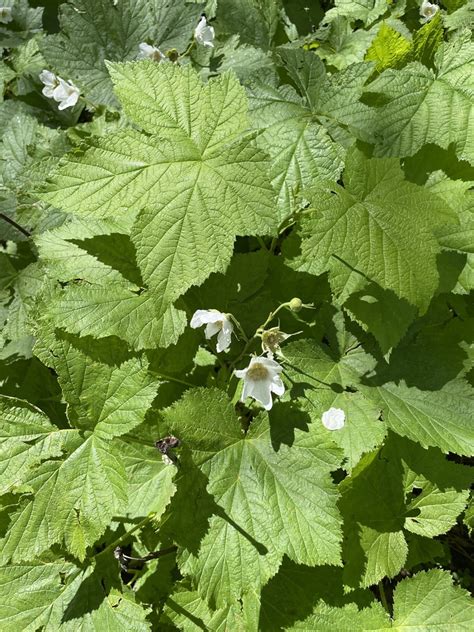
(204, 316)
(216, 323)
(146, 50)
(270, 364)
(246, 389)
(261, 391)
(225, 337)
(69, 102)
(261, 378)
(48, 78)
(48, 91)
(212, 329)
(333, 419)
(204, 34)
(150, 52)
(277, 386)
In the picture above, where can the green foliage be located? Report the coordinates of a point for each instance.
(412, 97)
(302, 187)
(377, 200)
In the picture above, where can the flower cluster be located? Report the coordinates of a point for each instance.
(262, 377)
(63, 92)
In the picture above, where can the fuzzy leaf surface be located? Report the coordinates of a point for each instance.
(415, 96)
(250, 480)
(194, 141)
(371, 227)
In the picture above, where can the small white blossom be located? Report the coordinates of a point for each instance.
(63, 92)
(261, 379)
(216, 323)
(204, 33)
(428, 10)
(5, 15)
(334, 419)
(150, 52)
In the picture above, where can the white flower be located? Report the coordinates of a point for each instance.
(261, 379)
(150, 52)
(67, 94)
(63, 92)
(204, 34)
(216, 323)
(334, 419)
(5, 15)
(428, 11)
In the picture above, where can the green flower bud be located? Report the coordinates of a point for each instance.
(295, 304)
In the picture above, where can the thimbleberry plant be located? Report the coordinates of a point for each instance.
(236, 281)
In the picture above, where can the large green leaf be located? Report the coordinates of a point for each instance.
(430, 600)
(330, 383)
(150, 481)
(414, 96)
(257, 487)
(74, 499)
(410, 489)
(64, 254)
(423, 602)
(109, 398)
(28, 592)
(27, 437)
(255, 22)
(301, 148)
(89, 600)
(440, 418)
(201, 182)
(306, 135)
(379, 226)
(116, 311)
(366, 10)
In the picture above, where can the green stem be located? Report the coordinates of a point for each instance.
(126, 535)
(189, 48)
(270, 317)
(239, 326)
(170, 378)
(383, 596)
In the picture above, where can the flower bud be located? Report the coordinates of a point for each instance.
(295, 304)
